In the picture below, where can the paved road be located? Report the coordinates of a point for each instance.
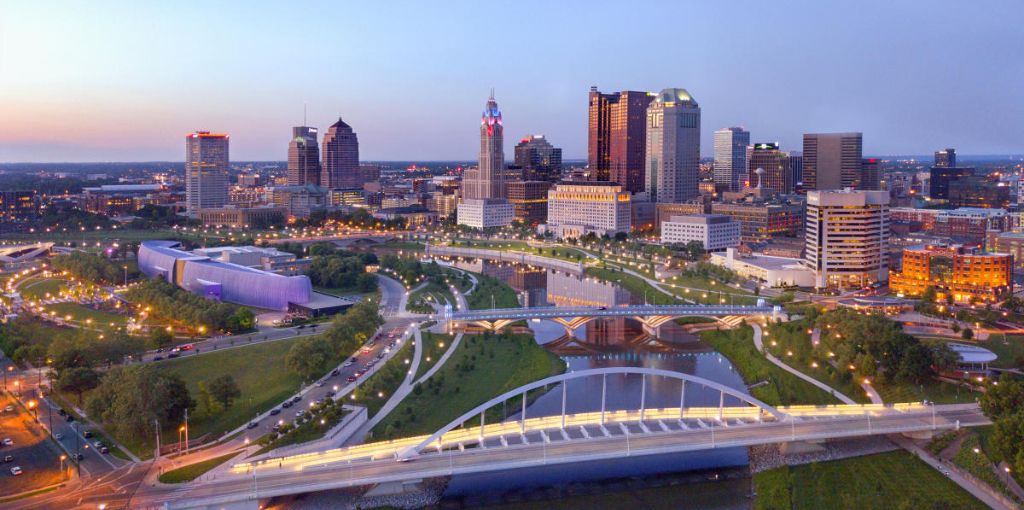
(288, 481)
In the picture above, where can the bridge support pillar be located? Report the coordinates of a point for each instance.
(654, 331)
(800, 447)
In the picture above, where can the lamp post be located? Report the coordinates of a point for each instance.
(62, 457)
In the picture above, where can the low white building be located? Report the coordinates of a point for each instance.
(485, 213)
(576, 209)
(774, 271)
(715, 232)
(258, 257)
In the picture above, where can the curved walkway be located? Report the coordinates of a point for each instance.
(440, 362)
(760, 347)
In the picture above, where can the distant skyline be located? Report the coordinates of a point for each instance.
(125, 81)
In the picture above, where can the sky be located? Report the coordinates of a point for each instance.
(125, 81)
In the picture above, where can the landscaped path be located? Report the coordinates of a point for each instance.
(760, 347)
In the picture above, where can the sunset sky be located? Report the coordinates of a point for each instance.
(124, 81)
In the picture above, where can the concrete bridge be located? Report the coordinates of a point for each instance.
(572, 317)
(565, 438)
(575, 268)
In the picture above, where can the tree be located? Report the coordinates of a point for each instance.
(77, 380)
(309, 357)
(159, 337)
(967, 334)
(224, 389)
(128, 400)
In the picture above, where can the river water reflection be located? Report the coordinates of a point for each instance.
(603, 343)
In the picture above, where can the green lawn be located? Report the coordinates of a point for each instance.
(634, 285)
(791, 343)
(193, 471)
(491, 292)
(376, 391)
(258, 370)
(557, 252)
(481, 368)
(37, 287)
(943, 393)
(979, 464)
(80, 313)
(1009, 348)
(434, 346)
(894, 480)
(783, 388)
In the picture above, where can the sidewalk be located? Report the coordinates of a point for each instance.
(970, 484)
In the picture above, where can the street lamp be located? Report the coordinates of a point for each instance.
(62, 457)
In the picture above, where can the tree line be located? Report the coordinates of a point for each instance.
(341, 269)
(93, 268)
(173, 304)
(312, 356)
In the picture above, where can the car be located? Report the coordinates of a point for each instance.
(320, 383)
(331, 393)
(9, 409)
(296, 399)
(7, 442)
(275, 412)
(365, 350)
(16, 470)
(9, 458)
(98, 444)
(351, 379)
(287, 404)
(103, 449)
(79, 456)
(301, 413)
(347, 363)
(160, 349)
(172, 355)
(87, 434)
(252, 425)
(158, 358)
(58, 436)
(62, 412)
(187, 347)
(176, 349)
(335, 372)
(276, 428)
(69, 418)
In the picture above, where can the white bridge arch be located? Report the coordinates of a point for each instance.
(723, 390)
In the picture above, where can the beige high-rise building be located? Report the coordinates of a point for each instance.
(303, 157)
(673, 147)
(847, 237)
(577, 209)
(206, 171)
(488, 179)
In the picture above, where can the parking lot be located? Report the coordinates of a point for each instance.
(32, 451)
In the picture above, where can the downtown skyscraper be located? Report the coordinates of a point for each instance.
(539, 160)
(832, 160)
(673, 147)
(341, 158)
(206, 171)
(488, 179)
(617, 137)
(731, 158)
(303, 157)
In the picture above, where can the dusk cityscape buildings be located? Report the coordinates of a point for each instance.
(803, 291)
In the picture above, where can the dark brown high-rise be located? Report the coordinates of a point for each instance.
(341, 157)
(617, 137)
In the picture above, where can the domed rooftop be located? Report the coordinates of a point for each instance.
(674, 96)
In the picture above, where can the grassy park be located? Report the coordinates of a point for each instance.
(37, 287)
(434, 346)
(484, 366)
(491, 292)
(782, 388)
(193, 471)
(82, 313)
(376, 391)
(894, 480)
(258, 370)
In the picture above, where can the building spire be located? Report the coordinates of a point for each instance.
(492, 94)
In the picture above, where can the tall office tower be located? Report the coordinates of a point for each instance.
(303, 157)
(488, 179)
(772, 162)
(945, 158)
(847, 237)
(673, 147)
(795, 169)
(617, 136)
(832, 160)
(206, 171)
(871, 177)
(539, 160)
(341, 158)
(731, 157)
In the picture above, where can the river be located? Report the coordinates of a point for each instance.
(609, 343)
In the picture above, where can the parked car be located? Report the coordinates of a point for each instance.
(347, 363)
(296, 399)
(62, 412)
(79, 456)
(275, 412)
(287, 404)
(58, 436)
(351, 379)
(172, 355)
(98, 444)
(16, 470)
(335, 372)
(87, 434)
(104, 450)
(252, 425)
(9, 458)
(69, 418)
(7, 442)
(158, 358)
(9, 409)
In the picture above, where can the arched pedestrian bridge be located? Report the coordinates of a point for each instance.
(467, 445)
(572, 317)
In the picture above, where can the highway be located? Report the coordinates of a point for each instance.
(267, 483)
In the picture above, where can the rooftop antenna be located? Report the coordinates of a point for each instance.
(492, 92)
(303, 113)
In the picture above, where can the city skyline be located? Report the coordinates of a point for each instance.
(91, 90)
